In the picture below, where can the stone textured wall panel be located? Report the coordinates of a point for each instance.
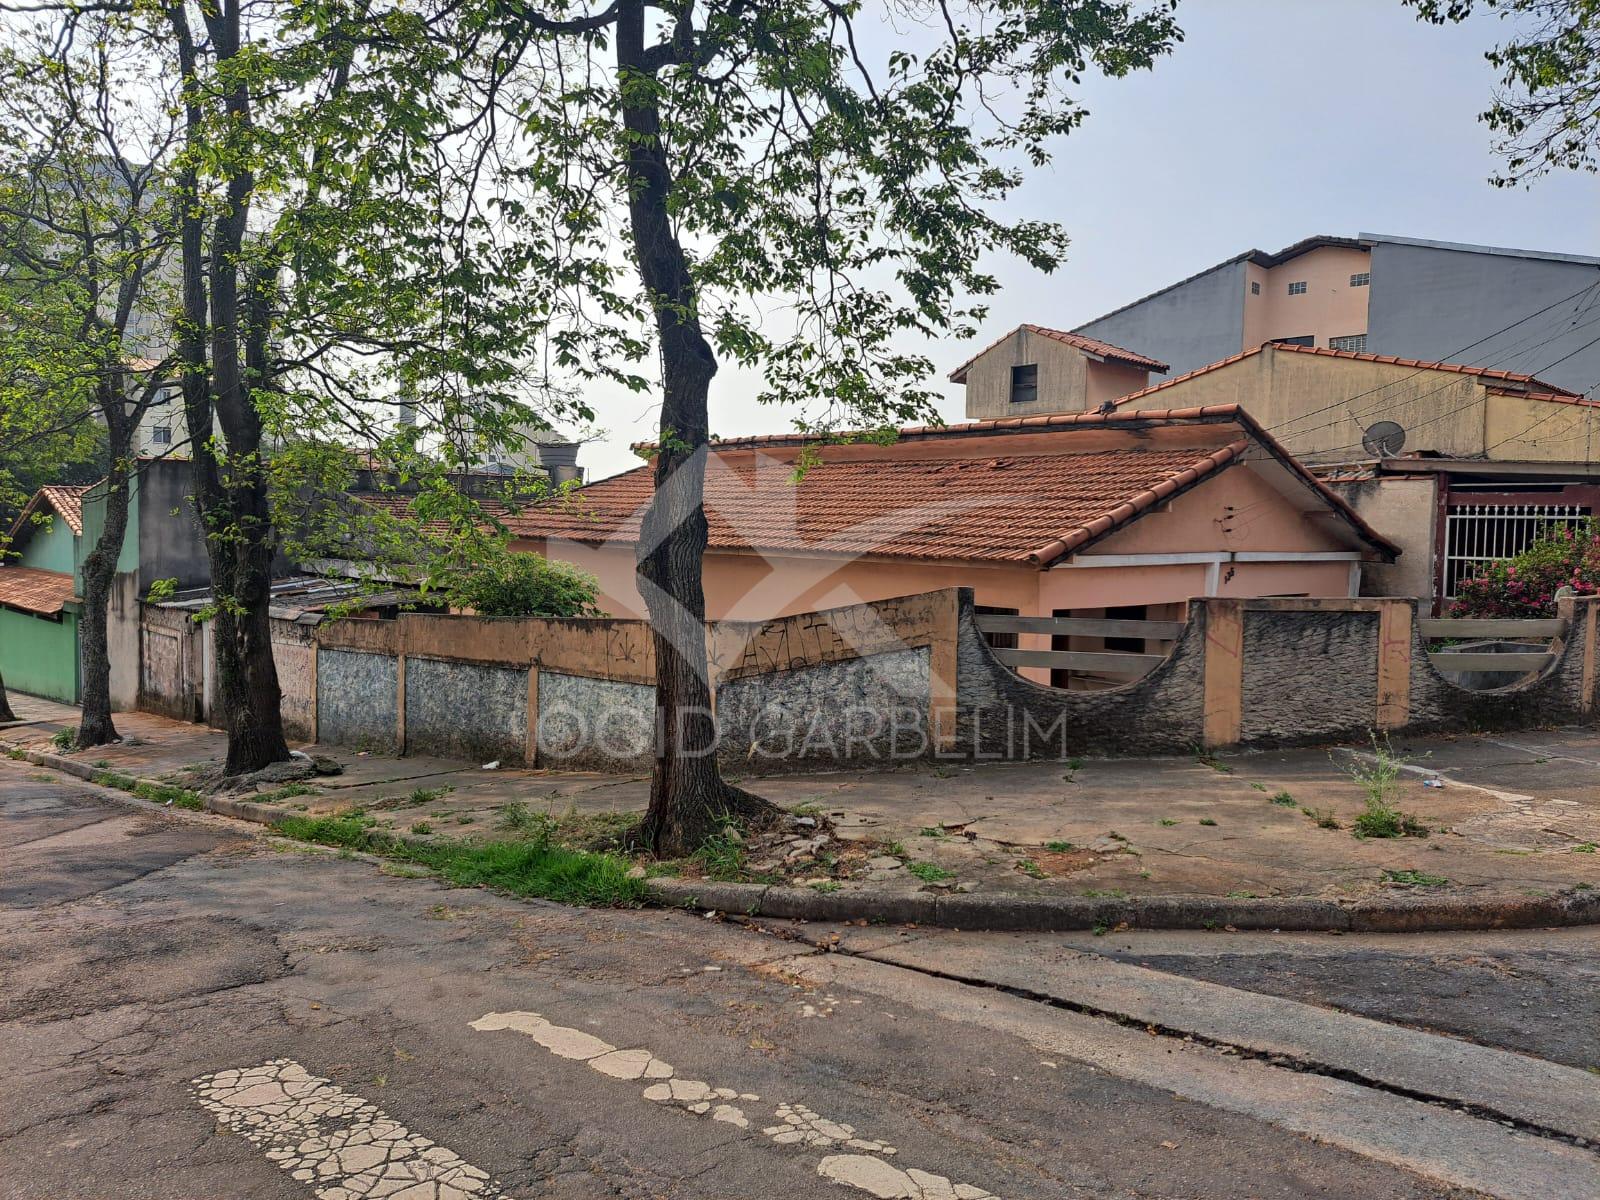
(356, 695)
(853, 712)
(1309, 676)
(466, 710)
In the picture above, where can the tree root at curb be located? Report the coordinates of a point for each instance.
(689, 822)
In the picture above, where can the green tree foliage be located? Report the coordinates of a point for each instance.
(1546, 114)
(506, 583)
(1526, 586)
(805, 188)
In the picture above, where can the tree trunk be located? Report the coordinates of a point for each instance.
(99, 571)
(230, 492)
(689, 799)
(5, 703)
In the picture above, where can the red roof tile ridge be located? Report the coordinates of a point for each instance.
(1080, 341)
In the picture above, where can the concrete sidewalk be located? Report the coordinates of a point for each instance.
(1517, 818)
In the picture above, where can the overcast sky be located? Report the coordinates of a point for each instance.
(1275, 120)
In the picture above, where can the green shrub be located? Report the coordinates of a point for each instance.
(509, 583)
(929, 872)
(1525, 586)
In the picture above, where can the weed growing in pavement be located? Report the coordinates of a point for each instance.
(15, 755)
(1283, 798)
(1244, 895)
(101, 763)
(1584, 848)
(1028, 867)
(1207, 759)
(933, 831)
(428, 795)
(1409, 878)
(723, 856)
(522, 867)
(1101, 929)
(110, 779)
(41, 777)
(1107, 894)
(1207, 821)
(826, 885)
(1058, 847)
(897, 850)
(930, 872)
(421, 827)
(809, 809)
(1260, 787)
(287, 792)
(64, 739)
(1323, 817)
(1074, 764)
(519, 818)
(1166, 821)
(1377, 776)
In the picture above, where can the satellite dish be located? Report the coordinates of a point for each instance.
(1384, 439)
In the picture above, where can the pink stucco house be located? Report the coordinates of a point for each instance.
(1123, 515)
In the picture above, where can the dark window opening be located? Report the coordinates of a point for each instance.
(1127, 612)
(998, 641)
(1025, 384)
(1255, 287)
(1361, 279)
(1304, 340)
(1297, 288)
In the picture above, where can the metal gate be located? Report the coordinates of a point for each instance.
(1479, 534)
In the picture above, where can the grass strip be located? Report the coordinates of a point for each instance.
(522, 867)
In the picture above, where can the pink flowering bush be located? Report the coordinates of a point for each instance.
(1526, 586)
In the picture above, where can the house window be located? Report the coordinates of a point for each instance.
(1255, 287)
(1297, 288)
(1127, 612)
(1305, 339)
(998, 641)
(1355, 341)
(1361, 279)
(1025, 384)
(161, 435)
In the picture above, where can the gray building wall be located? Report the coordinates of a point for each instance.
(170, 545)
(1187, 326)
(1432, 302)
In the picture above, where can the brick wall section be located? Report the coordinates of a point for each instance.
(1000, 715)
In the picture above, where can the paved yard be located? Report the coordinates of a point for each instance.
(1516, 815)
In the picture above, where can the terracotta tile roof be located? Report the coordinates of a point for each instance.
(66, 499)
(31, 590)
(1078, 341)
(1548, 397)
(1547, 391)
(1009, 507)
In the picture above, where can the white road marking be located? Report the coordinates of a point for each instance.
(796, 1124)
(345, 1147)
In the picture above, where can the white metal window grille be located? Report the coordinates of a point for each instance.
(1479, 534)
(1297, 288)
(1355, 341)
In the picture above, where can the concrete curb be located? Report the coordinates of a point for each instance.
(1411, 914)
(1039, 914)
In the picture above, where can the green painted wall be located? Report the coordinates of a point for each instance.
(94, 520)
(52, 549)
(39, 656)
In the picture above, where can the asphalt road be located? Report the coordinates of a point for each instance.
(189, 1010)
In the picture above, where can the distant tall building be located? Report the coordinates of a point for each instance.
(1511, 310)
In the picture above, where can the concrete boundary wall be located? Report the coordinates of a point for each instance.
(871, 684)
(1269, 672)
